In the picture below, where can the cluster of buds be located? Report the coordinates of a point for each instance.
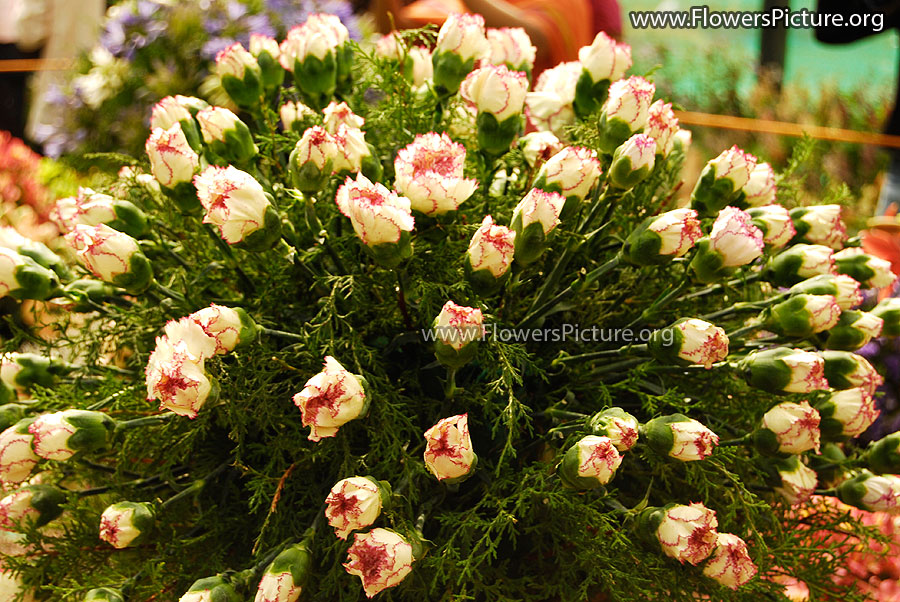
(331, 399)
(603, 62)
(175, 373)
(688, 533)
(237, 204)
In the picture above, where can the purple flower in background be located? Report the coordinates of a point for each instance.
(886, 353)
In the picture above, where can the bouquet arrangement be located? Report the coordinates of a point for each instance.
(149, 49)
(367, 338)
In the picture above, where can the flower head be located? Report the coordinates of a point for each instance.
(234, 202)
(177, 378)
(337, 114)
(17, 456)
(868, 270)
(591, 462)
(662, 125)
(282, 580)
(789, 428)
(775, 223)
(330, 399)
(512, 47)
(496, 90)
(378, 215)
(353, 503)
(799, 262)
(449, 455)
(847, 413)
(735, 238)
(783, 369)
(429, 172)
(60, 435)
(111, 256)
(537, 147)
(730, 564)
(549, 105)
(798, 481)
(629, 102)
(464, 36)
(492, 248)
(122, 525)
(605, 59)
(820, 225)
(618, 425)
(381, 558)
(680, 437)
(172, 160)
(691, 340)
(573, 171)
(687, 533)
(760, 189)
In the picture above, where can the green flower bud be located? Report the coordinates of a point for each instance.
(883, 456)
(127, 524)
(211, 589)
(784, 370)
(844, 289)
(889, 311)
(846, 414)
(266, 52)
(797, 263)
(33, 504)
(60, 435)
(875, 493)
(661, 238)
(868, 270)
(21, 277)
(679, 437)
(457, 330)
(283, 579)
(534, 218)
(689, 341)
(854, 330)
(226, 135)
(616, 424)
(721, 181)
(633, 161)
(802, 316)
(104, 594)
(589, 463)
(23, 370)
(846, 370)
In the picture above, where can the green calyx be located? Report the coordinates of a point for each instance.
(883, 456)
(712, 194)
(495, 137)
(765, 369)
(589, 95)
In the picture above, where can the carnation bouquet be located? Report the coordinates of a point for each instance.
(365, 337)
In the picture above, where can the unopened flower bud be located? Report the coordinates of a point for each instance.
(661, 238)
(679, 437)
(331, 399)
(17, 457)
(603, 62)
(460, 43)
(111, 256)
(538, 147)
(760, 189)
(34, 505)
(226, 135)
(355, 503)
(93, 208)
(889, 312)
(844, 289)
(173, 163)
(127, 524)
(381, 218)
(449, 454)
(295, 116)
(618, 425)
(266, 52)
(685, 533)
(499, 96)
(354, 153)
(181, 110)
(799, 262)
(854, 330)
(730, 564)
(457, 331)
(820, 225)
(625, 112)
(104, 594)
(733, 242)
(572, 172)
(788, 428)
(591, 462)
(802, 315)
(868, 270)
(228, 327)
(239, 207)
(284, 577)
(798, 481)
(211, 589)
(722, 180)
(689, 341)
(775, 223)
(240, 75)
(512, 47)
(60, 435)
(783, 369)
(662, 125)
(312, 161)
(883, 456)
(875, 493)
(633, 161)
(845, 370)
(21, 277)
(313, 53)
(536, 215)
(847, 414)
(381, 558)
(429, 172)
(490, 256)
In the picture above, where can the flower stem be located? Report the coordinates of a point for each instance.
(246, 284)
(584, 357)
(450, 385)
(194, 487)
(166, 291)
(745, 440)
(718, 287)
(283, 334)
(740, 332)
(144, 421)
